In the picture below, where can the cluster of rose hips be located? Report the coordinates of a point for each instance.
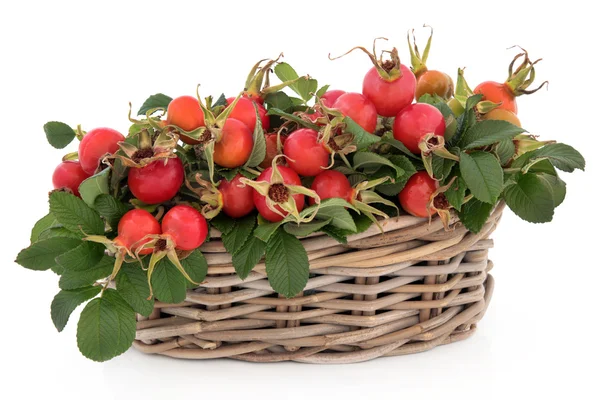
(156, 174)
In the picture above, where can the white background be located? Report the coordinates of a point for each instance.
(83, 62)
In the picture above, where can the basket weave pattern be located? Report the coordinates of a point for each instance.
(416, 287)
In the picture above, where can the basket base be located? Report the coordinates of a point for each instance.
(392, 339)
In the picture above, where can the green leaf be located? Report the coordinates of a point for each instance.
(59, 134)
(305, 229)
(441, 167)
(66, 301)
(223, 223)
(196, 267)
(43, 224)
(483, 175)
(287, 264)
(304, 87)
(322, 91)
(248, 256)
(474, 214)
(72, 213)
(221, 101)
(168, 283)
(392, 189)
(366, 159)
(292, 117)
(488, 132)
(456, 193)
(531, 199)
(241, 231)
(557, 186)
(111, 209)
(338, 217)
(229, 174)
(82, 257)
(542, 166)
(106, 327)
(279, 100)
(473, 100)
(94, 186)
(562, 156)
(70, 280)
(154, 101)
(265, 229)
(259, 150)
(132, 285)
(58, 231)
(341, 235)
(505, 150)
(362, 138)
(399, 146)
(41, 255)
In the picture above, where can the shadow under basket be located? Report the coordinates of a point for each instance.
(409, 290)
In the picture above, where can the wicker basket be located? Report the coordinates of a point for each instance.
(414, 288)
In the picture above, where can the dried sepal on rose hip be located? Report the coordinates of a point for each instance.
(429, 81)
(390, 85)
(333, 184)
(518, 82)
(278, 192)
(258, 84)
(431, 144)
(439, 204)
(183, 229)
(133, 232)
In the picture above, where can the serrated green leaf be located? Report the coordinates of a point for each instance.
(132, 285)
(279, 100)
(248, 256)
(456, 193)
(111, 209)
(66, 301)
(543, 166)
(305, 88)
(292, 117)
(340, 235)
(287, 264)
(70, 280)
(82, 257)
(221, 101)
(72, 213)
(241, 231)
(505, 150)
(463, 123)
(557, 186)
(474, 214)
(59, 134)
(259, 149)
(365, 159)
(399, 146)
(94, 186)
(305, 229)
(441, 167)
(265, 229)
(531, 199)
(362, 222)
(362, 138)
(43, 224)
(106, 327)
(223, 223)
(338, 217)
(488, 132)
(483, 175)
(392, 189)
(41, 255)
(58, 231)
(196, 267)
(562, 156)
(168, 284)
(154, 101)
